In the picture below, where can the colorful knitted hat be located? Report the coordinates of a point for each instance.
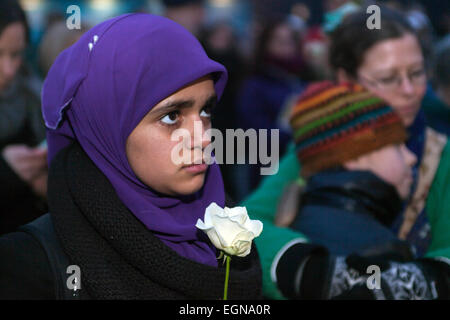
(333, 124)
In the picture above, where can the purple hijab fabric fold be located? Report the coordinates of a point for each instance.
(100, 88)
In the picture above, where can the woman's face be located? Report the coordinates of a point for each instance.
(394, 70)
(282, 43)
(12, 45)
(150, 147)
(393, 164)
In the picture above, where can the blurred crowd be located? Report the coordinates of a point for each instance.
(269, 66)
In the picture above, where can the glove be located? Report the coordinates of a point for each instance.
(287, 269)
(421, 279)
(307, 271)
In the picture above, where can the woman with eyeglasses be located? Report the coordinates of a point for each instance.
(390, 63)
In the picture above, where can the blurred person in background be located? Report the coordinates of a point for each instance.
(315, 53)
(335, 11)
(23, 162)
(359, 172)
(315, 41)
(436, 112)
(274, 79)
(189, 13)
(442, 74)
(389, 62)
(57, 38)
(436, 11)
(416, 14)
(437, 106)
(221, 44)
(352, 154)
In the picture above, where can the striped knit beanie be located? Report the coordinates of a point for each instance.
(333, 124)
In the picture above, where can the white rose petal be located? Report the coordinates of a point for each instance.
(255, 226)
(214, 237)
(227, 229)
(230, 229)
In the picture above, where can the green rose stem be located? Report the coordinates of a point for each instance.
(227, 275)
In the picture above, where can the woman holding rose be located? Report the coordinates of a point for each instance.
(120, 208)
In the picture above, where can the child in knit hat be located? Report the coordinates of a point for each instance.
(351, 149)
(350, 145)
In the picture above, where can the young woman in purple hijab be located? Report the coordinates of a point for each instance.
(121, 210)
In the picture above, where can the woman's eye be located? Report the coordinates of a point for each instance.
(388, 80)
(206, 112)
(170, 118)
(17, 54)
(418, 73)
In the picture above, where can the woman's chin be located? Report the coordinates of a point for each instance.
(189, 187)
(408, 115)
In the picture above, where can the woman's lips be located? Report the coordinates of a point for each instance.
(196, 168)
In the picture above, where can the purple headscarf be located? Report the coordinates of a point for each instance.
(100, 88)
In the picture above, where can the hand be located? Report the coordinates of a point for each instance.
(28, 163)
(307, 271)
(359, 278)
(421, 279)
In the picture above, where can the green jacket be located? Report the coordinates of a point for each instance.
(262, 205)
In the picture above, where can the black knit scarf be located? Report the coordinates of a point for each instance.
(118, 257)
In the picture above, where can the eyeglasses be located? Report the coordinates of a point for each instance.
(391, 83)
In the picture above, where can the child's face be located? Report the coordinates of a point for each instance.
(392, 163)
(149, 147)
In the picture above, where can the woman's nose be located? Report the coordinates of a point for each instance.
(406, 86)
(200, 137)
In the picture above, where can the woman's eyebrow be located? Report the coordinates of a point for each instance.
(416, 64)
(181, 104)
(177, 104)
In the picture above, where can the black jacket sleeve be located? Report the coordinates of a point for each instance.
(25, 272)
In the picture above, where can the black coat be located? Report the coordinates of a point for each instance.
(118, 257)
(25, 272)
(348, 211)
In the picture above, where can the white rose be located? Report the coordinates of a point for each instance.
(230, 229)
